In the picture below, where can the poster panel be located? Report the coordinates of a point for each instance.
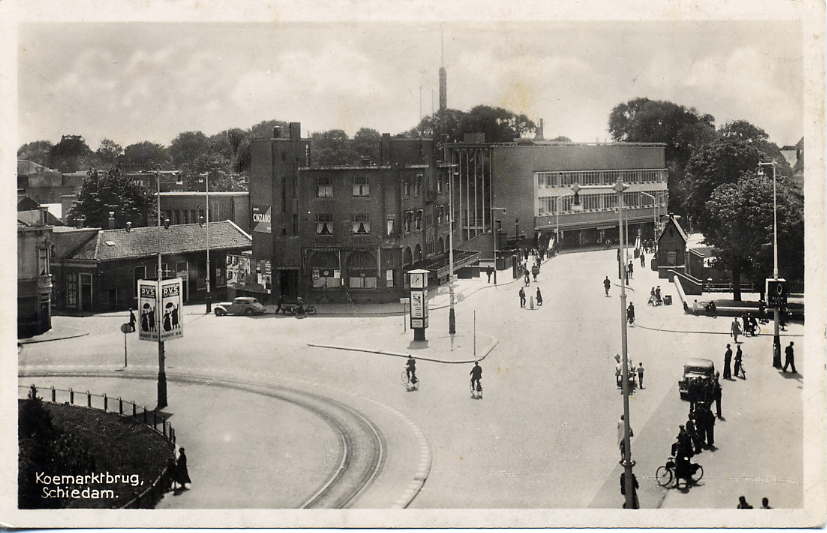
(172, 323)
(147, 319)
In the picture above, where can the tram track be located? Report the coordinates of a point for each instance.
(361, 443)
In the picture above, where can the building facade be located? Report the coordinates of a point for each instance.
(524, 191)
(188, 207)
(97, 270)
(34, 280)
(348, 233)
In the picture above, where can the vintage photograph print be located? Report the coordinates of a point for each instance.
(407, 268)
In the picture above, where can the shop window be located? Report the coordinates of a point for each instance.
(361, 224)
(361, 187)
(324, 187)
(324, 224)
(389, 278)
(326, 278)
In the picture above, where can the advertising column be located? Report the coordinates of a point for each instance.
(419, 303)
(172, 324)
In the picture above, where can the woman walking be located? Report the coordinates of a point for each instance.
(182, 475)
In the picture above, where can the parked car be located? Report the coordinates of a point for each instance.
(695, 368)
(243, 305)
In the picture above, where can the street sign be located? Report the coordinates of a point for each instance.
(776, 292)
(126, 328)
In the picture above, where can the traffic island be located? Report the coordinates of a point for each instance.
(85, 458)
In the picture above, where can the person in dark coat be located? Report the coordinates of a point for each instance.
(716, 395)
(131, 319)
(727, 361)
(172, 471)
(738, 357)
(488, 272)
(522, 297)
(182, 475)
(789, 358)
(539, 297)
(709, 425)
(694, 434)
(635, 486)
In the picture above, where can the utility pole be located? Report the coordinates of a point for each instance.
(162, 375)
(452, 319)
(776, 336)
(207, 194)
(627, 446)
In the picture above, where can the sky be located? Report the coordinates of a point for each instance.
(132, 82)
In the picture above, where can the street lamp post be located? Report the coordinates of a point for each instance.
(655, 209)
(494, 235)
(776, 337)
(452, 319)
(162, 375)
(207, 201)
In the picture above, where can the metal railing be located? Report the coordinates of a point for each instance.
(125, 408)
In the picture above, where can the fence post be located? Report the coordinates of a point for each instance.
(71, 396)
(105, 403)
(155, 420)
(88, 399)
(145, 415)
(164, 427)
(54, 395)
(120, 406)
(134, 409)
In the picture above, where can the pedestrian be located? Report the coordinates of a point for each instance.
(635, 486)
(631, 269)
(522, 297)
(534, 271)
(716, 395)
(539, 298)
(642, 259)
(621, 432)
(727, 360)
(527, 279)
(709, 424)
(735, 329)
(657, 294)
(742, 503)
(694, 433)
(607, 285)
(476, 378)
(172, 473)
(131, 319)
(182, 475)
(765, 503)
(789, 358)
(640, 375)
(693, 392)
(488, 273)
(279, 304)
(619, 375)
(738, 368)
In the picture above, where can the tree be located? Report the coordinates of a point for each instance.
(37, 151)
(366, 143)
(749, 133)
(103, 192)
(332, 147)
(187, 147)
(739, 221)
(721, 161)
(683, 130)
(108, 153)
(146, 156)
(70, 154)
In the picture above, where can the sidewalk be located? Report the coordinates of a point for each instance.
(57, 332)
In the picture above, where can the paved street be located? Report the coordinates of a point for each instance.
(543, 436)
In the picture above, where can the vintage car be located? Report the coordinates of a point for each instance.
(243, 305)
(695, 368)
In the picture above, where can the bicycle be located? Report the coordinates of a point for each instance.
(665, 474)
(410, 384)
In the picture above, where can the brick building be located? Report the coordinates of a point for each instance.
(347, 233)
(96, 270)
(531, 181)
(187, 207)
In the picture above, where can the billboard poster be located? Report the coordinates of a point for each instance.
(238, 271)
(419, 308)
(147, 300)
(172, 323)
(261, 218)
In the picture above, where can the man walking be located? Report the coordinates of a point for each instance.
(621, 431)
(642, 259)
(709, 424)
(522, 297)
(631, 269)
(735, 329)
(488, 272)
(640, 375)
(789, 358)
(727, 361)
(607, 285)
(716, 395)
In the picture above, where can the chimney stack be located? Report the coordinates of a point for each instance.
(111, 220)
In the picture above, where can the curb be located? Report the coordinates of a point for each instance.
(62, 337)
(638, 325)
(485, 353)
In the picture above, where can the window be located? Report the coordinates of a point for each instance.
(610, 201)
(389, 278)
(324, 187)
(390, 224)
(43, 261)
(324, 224)
(440, 210)
(566, 203)
(671, 257)
(361, 224)
(439, 179)
(408, 218)
(361, 187)
(418, 220)
(406, 187)
(418, 185)
(72, 289)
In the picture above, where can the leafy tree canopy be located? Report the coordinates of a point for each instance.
(108, 153)
(103, 192)
(70, 154)
(37, 151)
(366, 143)
(187, 147)
(498, 124)
(146, 156)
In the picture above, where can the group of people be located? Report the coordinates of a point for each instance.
(476, 377)
(633, 372)
(740, 371)
(538, 297)
(655, 297)
(743, 504)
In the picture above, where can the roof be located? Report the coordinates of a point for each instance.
(201, 193)
(26, 167)
(117, 244)
(681, 232)
(33, 218)
(699, 362)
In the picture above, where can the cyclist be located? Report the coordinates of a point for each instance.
(607, 285)
(476, 376)
(410, 369)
